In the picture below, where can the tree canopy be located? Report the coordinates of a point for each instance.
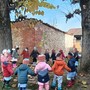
(21, 7)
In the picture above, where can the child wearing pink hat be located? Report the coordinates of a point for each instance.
(42, 69)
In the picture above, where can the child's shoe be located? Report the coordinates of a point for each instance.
(53, 85)
(69, 84)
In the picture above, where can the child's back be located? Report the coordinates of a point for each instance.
(59, 66)
(7, 69)
(22, 72)
(42, 69)
(71, 64)
(58, 69)
(72, 74)
(7, 72)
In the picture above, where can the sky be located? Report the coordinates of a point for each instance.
(56, 17)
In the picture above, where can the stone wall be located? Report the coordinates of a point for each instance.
(51, 37)
(41, 35)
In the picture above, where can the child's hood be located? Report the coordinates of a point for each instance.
(5, 65)
(42, 65)
(60, 62)
(23, 67)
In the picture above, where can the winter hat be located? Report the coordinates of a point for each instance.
(41, 57)
(25, 61)
(17, 46)
(4, 51)
(53, 50)
(26, 49)
(71, 54)
(35, 48)
(60, 50)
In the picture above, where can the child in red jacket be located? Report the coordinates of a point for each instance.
(7, 73)
(26, 55)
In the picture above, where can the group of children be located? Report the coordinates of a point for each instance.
(42, 70)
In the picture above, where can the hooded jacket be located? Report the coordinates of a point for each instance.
(59, 67)
(22, 72)
(25, 54)
(42, 66)
(42, 69)
(71, 64)
(7, 70)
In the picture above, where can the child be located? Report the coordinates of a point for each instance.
(5, 57)
(22, 72)
(15, 55)
(58, 69)
(72, 74)
(7, 72)
(62, 53)
(76, 55)
(53, 55)
(42, 69)
(34, 55)
(47, 56)
(25, 54)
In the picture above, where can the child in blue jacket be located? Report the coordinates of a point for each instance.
(22, 72)
(72, 74)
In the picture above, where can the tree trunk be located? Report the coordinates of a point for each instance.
(85, 6)
(5, 28)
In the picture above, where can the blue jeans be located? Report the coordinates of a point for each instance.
(59, 79)
(22, 88)
(71, 75)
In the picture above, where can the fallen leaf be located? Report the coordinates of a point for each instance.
(81, 74)
(84, 82)
(84, 86)
(13, 85)
(15, 80)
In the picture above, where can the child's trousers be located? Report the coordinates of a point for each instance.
(22, 86)
(71, 75)
(44, 85)
(59, 79)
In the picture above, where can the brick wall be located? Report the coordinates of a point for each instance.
(23, 35)
(51, 37)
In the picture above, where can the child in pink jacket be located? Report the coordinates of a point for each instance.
(42, 69)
